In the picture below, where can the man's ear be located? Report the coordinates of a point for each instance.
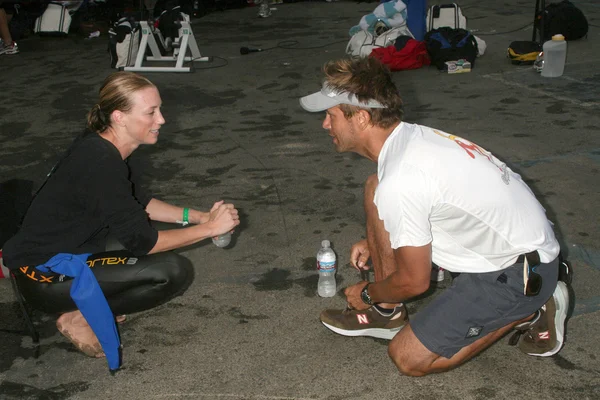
(364, 119)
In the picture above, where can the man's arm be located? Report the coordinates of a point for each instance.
(411, 278)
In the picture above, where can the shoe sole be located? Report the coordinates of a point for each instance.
(379, 333)
(561, 300)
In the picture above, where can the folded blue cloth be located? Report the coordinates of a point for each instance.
(89, 298)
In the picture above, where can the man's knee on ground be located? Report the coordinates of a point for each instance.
(406, 364)
(405, 355)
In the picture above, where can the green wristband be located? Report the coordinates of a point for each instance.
(186, 216)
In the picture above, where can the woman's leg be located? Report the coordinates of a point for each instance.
(130, 284)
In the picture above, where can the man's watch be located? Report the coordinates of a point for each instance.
(364, 295)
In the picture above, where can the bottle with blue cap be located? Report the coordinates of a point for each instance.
(326, 265)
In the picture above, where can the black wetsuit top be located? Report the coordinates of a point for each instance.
(89, 195)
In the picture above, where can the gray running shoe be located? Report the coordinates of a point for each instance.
(370, 322)
(544, 336)
(12, 49)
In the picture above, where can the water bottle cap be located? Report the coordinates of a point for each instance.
(325, 243)
(558, 37)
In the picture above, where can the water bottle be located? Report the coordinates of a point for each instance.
(222, 240)
(555, 55)
(326, 268)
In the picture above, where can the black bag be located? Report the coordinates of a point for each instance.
(523, 52)
(563, 18)
(447, 44)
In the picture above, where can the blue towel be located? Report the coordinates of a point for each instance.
(89, 298)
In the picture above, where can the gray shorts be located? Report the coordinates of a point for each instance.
(477, 304)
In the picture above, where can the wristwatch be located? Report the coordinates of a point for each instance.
(364, 295)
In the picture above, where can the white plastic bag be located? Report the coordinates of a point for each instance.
(363, 42)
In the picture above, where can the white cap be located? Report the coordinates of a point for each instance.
(325, 243)
(328, 97)
(558, 37)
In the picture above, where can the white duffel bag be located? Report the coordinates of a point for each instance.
(55, 20)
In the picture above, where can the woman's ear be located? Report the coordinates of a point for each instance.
(118, 117)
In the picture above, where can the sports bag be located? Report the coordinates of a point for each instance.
(563, 18)
(362, 42)
(407, 53)
(523, 52)
(449, 15)
(447, 44)
(55, 21)
(124, 42)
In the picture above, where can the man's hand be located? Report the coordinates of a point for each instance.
(359, 255)
(353, 296)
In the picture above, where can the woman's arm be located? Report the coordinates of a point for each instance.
(164, 212)
(222, 218)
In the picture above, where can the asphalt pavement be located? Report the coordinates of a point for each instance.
(248, 327)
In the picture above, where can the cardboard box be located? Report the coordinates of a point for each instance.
(458, 67)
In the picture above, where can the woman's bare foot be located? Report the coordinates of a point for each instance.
(74, 327)
(120, 318)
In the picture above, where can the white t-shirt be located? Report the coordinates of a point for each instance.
(478, 215)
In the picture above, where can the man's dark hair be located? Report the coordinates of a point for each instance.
(368, 79)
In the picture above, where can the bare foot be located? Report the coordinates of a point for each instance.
(120, 318)
(74, 327)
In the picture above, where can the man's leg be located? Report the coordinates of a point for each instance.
(414, 359)
(476, 311)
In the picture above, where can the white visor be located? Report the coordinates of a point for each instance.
(327, 97)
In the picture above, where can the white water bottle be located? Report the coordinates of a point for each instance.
(326, 267)
(555, 56)
(222, 240)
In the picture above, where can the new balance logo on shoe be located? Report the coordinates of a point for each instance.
(544, 336)
(362, 318)
(369, 322)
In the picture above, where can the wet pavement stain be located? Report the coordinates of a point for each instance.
(556, 108)
(235, 312)
(278, 279)
(564, 123)
(221, 170)
(484, 393)
(563, 363)
(249, 112)
(291, 75)
(13, 390)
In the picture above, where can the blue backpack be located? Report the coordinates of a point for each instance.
(448, 44)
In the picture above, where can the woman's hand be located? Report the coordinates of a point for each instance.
(359, 255)
(223, 217)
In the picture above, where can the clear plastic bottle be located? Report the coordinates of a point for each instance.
(555, 56)
(326, 266)
(222, 240)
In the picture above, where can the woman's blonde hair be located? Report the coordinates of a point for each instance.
(115, 94)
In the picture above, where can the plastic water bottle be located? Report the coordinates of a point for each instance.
(555, 55)
(222, 240)
(326, 268)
